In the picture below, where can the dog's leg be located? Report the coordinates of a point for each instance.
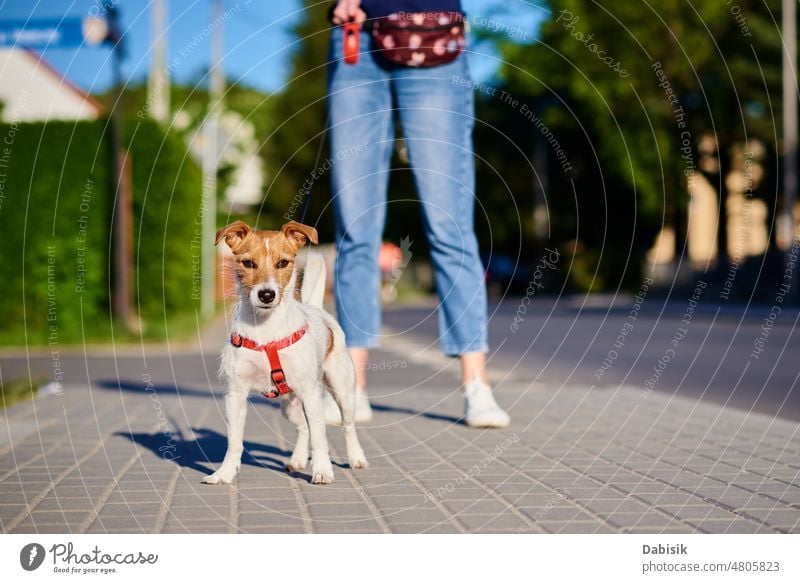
(292, 409)
(341, 378)
(321, 467)
(236, 412)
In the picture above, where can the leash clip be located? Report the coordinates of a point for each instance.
(278, 377)
(352, 31)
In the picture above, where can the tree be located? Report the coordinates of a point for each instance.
(632, 87)
(300, 114)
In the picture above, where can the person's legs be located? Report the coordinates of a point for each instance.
(361, 138)
(473, 366)
(360, 358)
(436, 111)
(360, 113)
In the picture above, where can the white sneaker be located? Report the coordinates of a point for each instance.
(480, 408)
(363, 410)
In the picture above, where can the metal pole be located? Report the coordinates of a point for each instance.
(158, 84)
(786, 225)
(210, 162)
(123, 291)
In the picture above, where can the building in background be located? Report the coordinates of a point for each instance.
(32, 90)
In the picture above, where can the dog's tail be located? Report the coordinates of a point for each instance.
(312, 290)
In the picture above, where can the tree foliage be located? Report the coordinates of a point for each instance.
(300, 120)
(631, 87)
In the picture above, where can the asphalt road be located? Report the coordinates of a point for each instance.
(733, 355)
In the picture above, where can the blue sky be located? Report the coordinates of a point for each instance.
(258, 38)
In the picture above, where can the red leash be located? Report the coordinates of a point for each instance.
(350, 48)
(271, 350)
(351, 43)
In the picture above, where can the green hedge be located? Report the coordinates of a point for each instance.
(56, 195)
(166, 201)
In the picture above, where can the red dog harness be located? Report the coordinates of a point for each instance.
(271, 350)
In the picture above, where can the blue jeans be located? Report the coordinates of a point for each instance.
(436, 110)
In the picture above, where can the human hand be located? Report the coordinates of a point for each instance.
(347, 10)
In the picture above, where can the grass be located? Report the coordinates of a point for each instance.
(16, 391)
(174, 328)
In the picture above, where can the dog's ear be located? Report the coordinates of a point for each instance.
(299, 233)
(234, 234)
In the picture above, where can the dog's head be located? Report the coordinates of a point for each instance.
(265, 260)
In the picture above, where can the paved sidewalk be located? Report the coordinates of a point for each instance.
(129, 458)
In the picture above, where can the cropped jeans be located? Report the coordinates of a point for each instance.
(435, 108)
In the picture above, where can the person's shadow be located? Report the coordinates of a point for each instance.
(416, 413)
(208, 448)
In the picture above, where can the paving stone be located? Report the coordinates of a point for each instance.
(137, 509)
(341, 511)
(422, 529)
(428, 515)
(778, 517)
(143, 521)
(194, 514)
(64, 503)
(729, 526)
(681, 529)
(706, 468)
(270, 519)
(704, 511)
(617, 505)
(557, 513)
(282, 506)
(58, 516)
(483, 506)
(639, 519)
(199, 502)
(399, 502)
(477, 522)
(577, 527)
(276, 529)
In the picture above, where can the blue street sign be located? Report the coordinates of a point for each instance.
(41, 34)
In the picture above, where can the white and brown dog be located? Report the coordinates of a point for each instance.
(284, 344)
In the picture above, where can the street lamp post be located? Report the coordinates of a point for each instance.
(158, 83)
(210, 164)
(123, 221)
(786, 225)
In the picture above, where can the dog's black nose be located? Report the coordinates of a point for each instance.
(266, 295)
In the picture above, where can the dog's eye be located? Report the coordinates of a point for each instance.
(282, 263)
(249, 263)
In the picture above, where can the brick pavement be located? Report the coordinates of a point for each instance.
(575, 460)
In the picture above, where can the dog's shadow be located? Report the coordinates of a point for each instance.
(204, 453)
(208, 448)
(129, 386)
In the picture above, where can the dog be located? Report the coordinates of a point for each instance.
(284, 344)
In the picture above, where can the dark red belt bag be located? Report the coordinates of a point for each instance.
(419, 39)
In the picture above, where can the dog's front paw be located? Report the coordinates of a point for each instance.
(221, 476)
(358, 462)
(321, 473)
(296, 464)
(322, 478)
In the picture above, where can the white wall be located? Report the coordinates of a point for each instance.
(32, 91)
